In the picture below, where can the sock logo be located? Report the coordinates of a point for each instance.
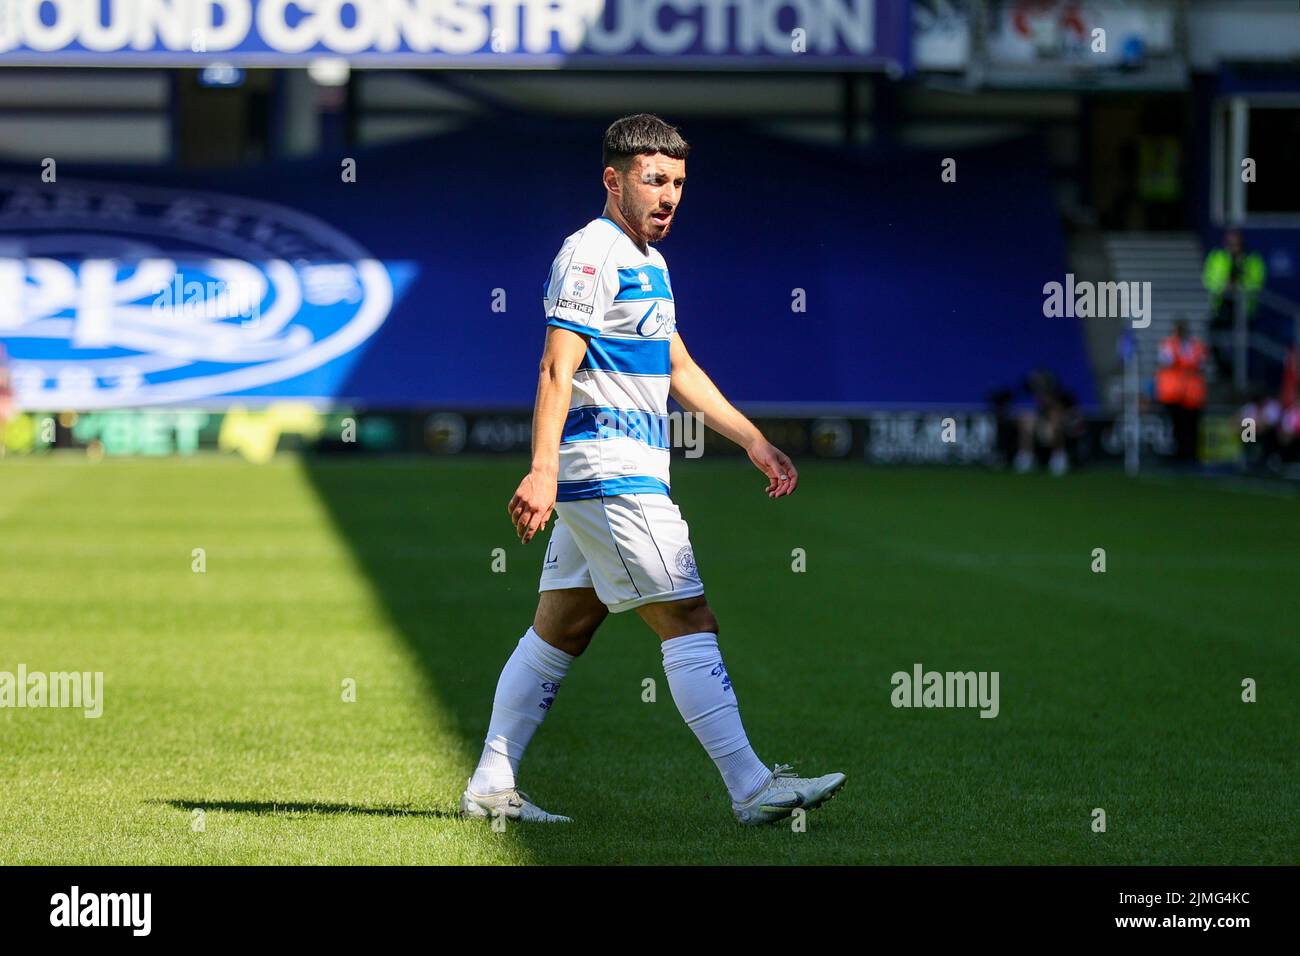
(720, 670)
(551, 688)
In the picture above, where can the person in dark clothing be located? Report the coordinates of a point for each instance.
(1054, 418)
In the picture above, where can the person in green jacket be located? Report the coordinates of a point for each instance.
(1229, 271)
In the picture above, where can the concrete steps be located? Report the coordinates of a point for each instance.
(1172, 263)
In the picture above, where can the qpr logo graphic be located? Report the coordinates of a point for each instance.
(686, 562)
(124, 295)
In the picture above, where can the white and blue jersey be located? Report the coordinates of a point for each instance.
(615, 438)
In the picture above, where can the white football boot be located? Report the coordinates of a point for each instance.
(786, 793)
(511, 804)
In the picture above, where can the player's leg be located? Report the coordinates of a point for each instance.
(702, 691)
(568, 614)
(1054, 438)
(531, 680)
(640, 558)
(1024, 460)
(568, 618)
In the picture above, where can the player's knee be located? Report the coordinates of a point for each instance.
(584, 629)
(701, 618)
(575, 644)
(573, 641)
(571, 634)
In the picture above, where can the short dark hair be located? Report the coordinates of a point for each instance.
(637, 135)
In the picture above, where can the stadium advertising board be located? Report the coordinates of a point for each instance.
(258, 433)
(126, 294)
(807, 34)
(348, 281)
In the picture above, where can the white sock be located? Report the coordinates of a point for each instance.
(525, 691)
(702, 691)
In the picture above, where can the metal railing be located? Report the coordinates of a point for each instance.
(1245, 339)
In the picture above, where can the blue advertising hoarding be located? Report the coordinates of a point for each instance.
(820, 276)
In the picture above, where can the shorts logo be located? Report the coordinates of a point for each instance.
(686, 562)
(576, 306)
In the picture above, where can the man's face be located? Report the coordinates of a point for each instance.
(1232, 239)
(651, 191)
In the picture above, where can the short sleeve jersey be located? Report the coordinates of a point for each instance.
(615, 438)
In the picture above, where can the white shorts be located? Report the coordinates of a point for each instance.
(633, 549)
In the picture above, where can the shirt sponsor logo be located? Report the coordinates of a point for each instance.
(655, 323)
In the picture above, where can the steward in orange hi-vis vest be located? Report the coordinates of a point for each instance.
(1180, 379)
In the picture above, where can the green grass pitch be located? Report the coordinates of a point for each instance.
(223, 690)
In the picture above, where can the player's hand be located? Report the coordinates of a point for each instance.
(532, 504)
(782, 476)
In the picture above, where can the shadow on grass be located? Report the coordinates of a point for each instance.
(272, 807)
(423, 532)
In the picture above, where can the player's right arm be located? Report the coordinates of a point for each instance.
(534, 499)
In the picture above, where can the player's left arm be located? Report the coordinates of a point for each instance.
(695, 392)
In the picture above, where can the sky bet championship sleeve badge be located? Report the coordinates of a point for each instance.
(581, 281)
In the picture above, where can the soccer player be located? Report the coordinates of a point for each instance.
(600, 462)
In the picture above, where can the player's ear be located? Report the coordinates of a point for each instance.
(613, 181)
